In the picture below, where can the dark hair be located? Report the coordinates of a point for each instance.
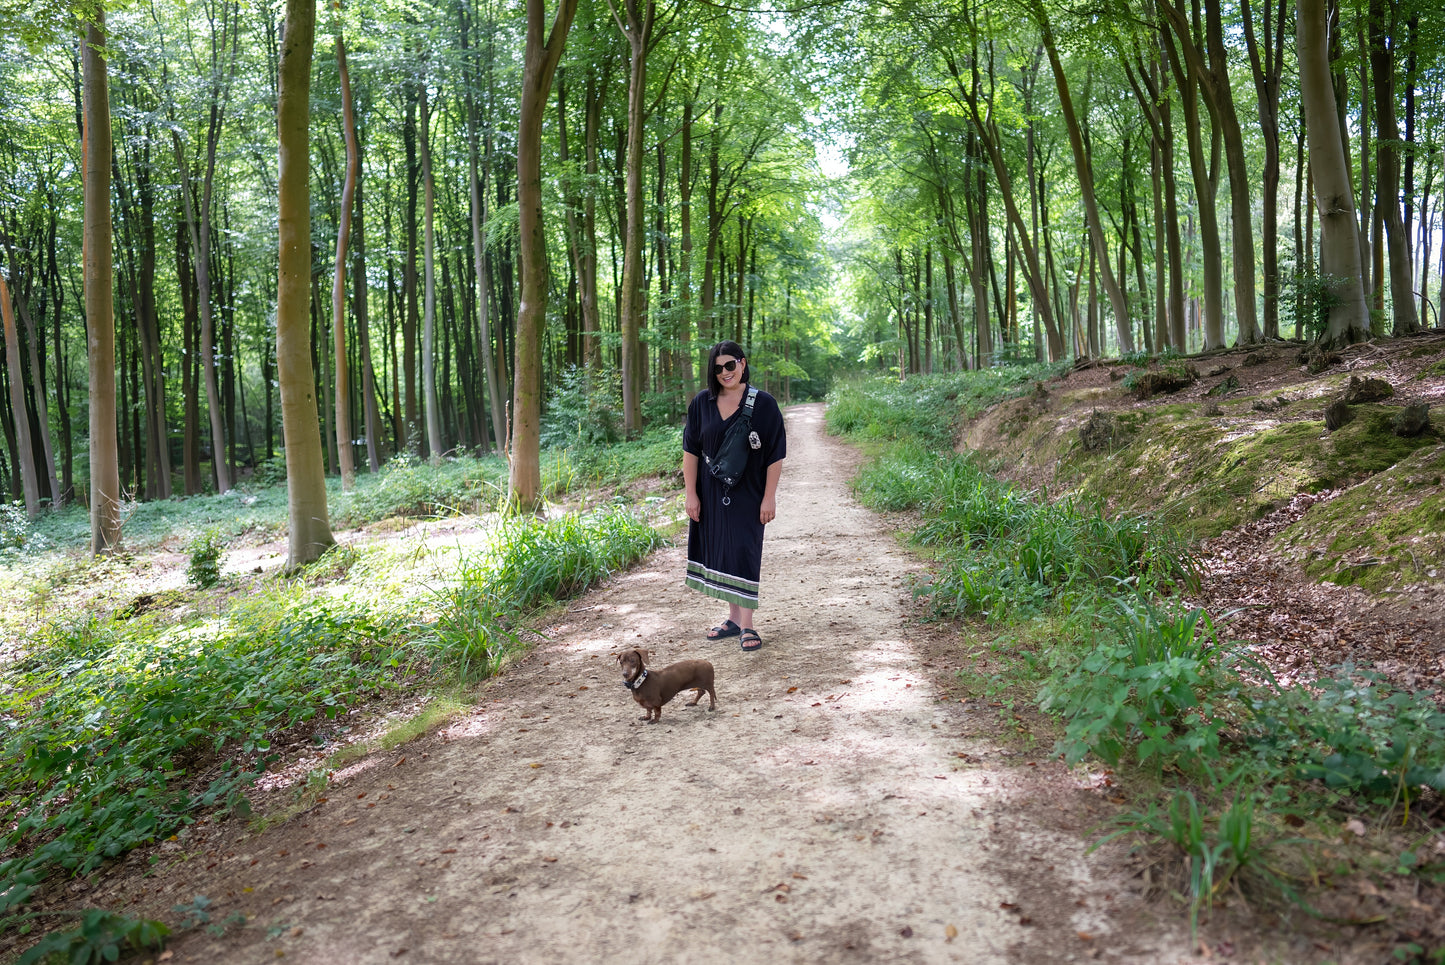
(726, 347)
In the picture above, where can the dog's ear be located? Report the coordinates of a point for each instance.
(645, 655)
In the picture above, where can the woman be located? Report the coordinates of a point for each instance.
(725, 535)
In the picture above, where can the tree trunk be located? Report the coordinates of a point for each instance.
(1387, 169)
(105, 521)
(338, 279)
(24, 451)
(359, 300)
(538, 65)
(477, 190)
(310, 528)
(1267, 72)
(428, 336)
(1205, 171)
(1349, 320)
(638, 31)
(1083, 167)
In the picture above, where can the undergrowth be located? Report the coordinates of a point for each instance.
(120, 730)
(1251, 779)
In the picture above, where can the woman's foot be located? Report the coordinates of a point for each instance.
(751, 641)
(727, 629)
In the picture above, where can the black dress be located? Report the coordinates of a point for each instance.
(725, 545)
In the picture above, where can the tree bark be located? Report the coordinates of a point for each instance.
(310, 528)
(1268, 71)
(24, 451)
(1387, 168)
(1083, 167)
(346, 458)
(105, 521)
(1349, 319)
(429, 315)
(538, 66)
(637, 29)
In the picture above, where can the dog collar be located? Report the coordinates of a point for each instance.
(638, 682)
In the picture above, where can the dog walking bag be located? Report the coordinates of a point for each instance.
(731, 461)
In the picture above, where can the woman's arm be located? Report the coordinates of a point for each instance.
(691, 501)
(769, 510)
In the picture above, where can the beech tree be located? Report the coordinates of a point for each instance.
(309, 525)
(105, 521)
(1349, 319)
(539, 64)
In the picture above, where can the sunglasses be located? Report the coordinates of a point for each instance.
(727, 366)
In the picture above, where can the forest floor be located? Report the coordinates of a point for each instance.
(846, 801)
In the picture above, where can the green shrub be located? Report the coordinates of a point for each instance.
(534, 562)
(1355, 734)
(206, 550)
(106, 717)
(408, 486)
(1158, 687)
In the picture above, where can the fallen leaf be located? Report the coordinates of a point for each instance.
(1356, 827)
(549, 859)
(1008, 906)
(950, 933)
(1294, 820)
(399, 763)
(792, 690)
(906, 931)
(1085, 936)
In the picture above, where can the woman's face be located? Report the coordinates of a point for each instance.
(729, 370)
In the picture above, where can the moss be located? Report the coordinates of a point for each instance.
(1381, 534)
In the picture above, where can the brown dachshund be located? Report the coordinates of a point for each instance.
(653, 688)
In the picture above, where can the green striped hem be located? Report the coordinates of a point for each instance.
(722, 586)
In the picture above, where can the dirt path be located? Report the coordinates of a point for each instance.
(839, 805)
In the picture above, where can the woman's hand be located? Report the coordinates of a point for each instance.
(769, 510)
(693, 506)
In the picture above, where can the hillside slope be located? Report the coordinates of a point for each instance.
(1329, 544)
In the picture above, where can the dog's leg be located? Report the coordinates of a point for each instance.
(711, 699)
(696, 696)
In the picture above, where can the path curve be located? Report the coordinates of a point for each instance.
(824, 812)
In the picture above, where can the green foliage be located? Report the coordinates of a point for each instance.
(536, 561)
(101, 936)
(107, 718)
(656, 454)
(1355, 734)
(14, 527)
(1215, 852)
(923, 408)
(1157, 687)
(409, 486)
(205, 550)
(1306, 301)
(583, 409)
(1003, 549)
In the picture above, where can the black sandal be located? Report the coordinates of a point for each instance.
(751, 641)
(727, 629)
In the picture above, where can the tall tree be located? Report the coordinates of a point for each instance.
(310, 528)
(198, 221)
(538, 66)
(105, 521)
(1383, 43)
(24, 450)
(1340, 264)
(637, 28)
(338, 280)
(429, 315)
(1083, 167)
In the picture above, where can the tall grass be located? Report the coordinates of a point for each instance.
(1002, 549)
(538, 561)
